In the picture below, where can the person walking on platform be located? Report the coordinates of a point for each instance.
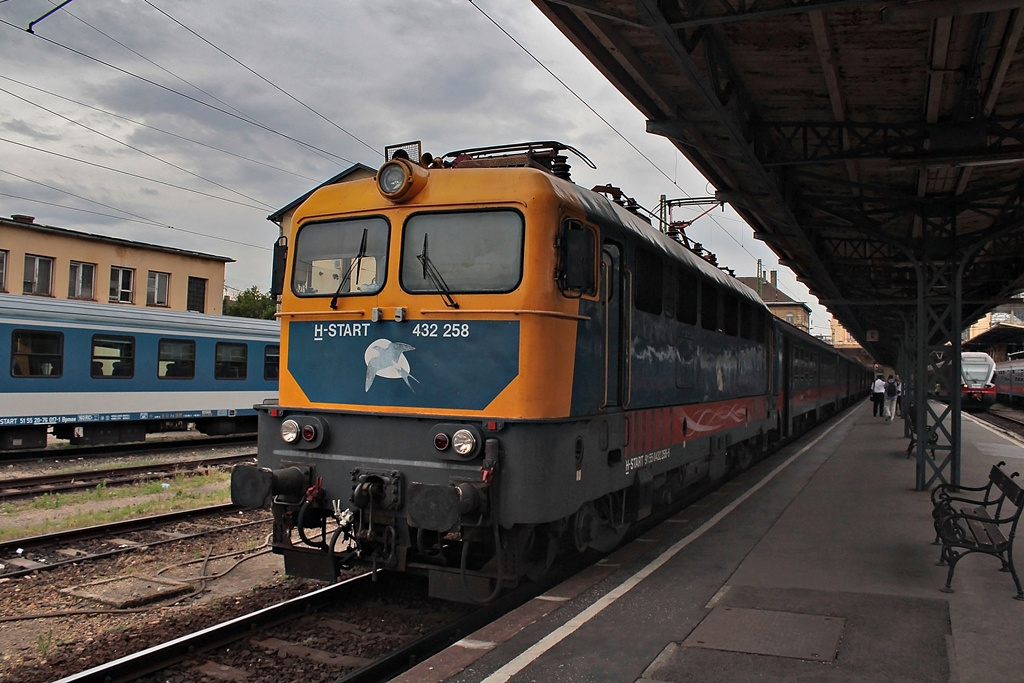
(891, 392)
(877, 392)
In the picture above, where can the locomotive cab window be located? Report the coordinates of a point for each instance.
(112, 356)
(176, 359)
(462, 252)
(347, 258)
(577, 268)
(231, 361)
(35, 353)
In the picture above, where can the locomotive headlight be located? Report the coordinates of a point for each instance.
(289, 431)
(400, 180)
(308, 432)
(391, 178)
(441, 441)
(463, 442)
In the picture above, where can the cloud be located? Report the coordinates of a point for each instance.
(379, 72)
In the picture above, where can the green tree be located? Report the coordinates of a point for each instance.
(252, 303)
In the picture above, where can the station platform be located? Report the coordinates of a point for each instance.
(815, 565)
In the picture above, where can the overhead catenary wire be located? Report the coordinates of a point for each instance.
(267, 81)
(158, 66)
(174, 75)
(144, 222)
(607, 123)
(136, 122)
(129, 173)
(136, 149)
(136, 218)
(186, 96)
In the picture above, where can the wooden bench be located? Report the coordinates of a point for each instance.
(979, 519)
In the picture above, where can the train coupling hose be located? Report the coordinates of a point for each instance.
(252, 486)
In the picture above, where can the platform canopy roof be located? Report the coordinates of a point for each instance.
(874, 146)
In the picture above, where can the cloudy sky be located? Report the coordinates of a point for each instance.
(186, 123)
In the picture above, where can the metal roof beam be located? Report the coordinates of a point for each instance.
(761, 9)
(982, 142)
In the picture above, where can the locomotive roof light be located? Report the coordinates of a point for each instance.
(463, 442)
(289, 431)
(399, 180)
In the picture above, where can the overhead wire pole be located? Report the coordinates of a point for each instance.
(55, 9)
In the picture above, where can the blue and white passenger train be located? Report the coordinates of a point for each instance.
(101, 373)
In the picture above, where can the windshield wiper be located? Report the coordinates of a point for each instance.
(356, 265)
(431, 273)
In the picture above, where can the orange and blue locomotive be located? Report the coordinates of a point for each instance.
(484, 365)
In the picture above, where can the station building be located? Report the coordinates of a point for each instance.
(48, 261)
(782, 306)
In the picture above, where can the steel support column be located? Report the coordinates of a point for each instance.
(939, 293)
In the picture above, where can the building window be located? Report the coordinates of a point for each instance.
(122, 284)
(81, 278)
(196, 295)
(271, 361)
(37, 354)
(176, 358)
(112, 356)
(38, 275)
(156, 290)
(789, 318)
(231, 361)
(3, 271)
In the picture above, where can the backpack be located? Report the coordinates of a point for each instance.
(890, 388)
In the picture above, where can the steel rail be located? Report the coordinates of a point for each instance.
(8, 548)
(24, 487)
(32, 456)
(161, 656)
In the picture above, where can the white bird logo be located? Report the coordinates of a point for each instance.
(385, 358)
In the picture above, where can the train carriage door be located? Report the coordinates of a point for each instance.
(611, 293)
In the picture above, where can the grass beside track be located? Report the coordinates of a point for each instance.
(103, 505)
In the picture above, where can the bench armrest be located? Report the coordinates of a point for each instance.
(942, 491)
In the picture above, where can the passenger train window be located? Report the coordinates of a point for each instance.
(112, 356)
(746, 320)
(176, 359)
(462, 252)
(35, 353)
(231, 362)
(709, 306)
(649, 281)
(687, 296)
(730, 314)
(272, 361)
(343, 257)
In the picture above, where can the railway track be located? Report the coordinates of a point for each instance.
(1004, 418)
(125, 449)
(23, 556)
(29, 487)
(355, 631)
